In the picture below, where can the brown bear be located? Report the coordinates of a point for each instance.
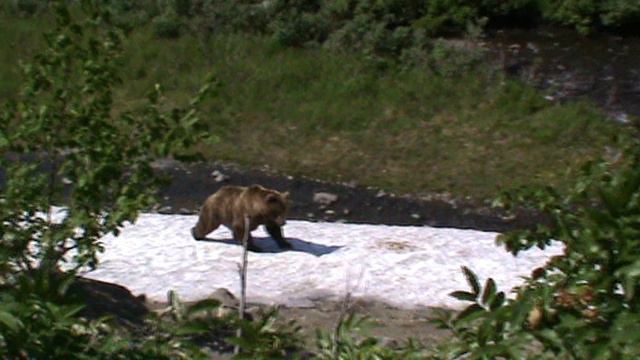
(229, 206)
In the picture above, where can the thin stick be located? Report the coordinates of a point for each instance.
(242, 269)
(344, 311)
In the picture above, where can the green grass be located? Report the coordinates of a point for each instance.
(19, 38)
(333, 116)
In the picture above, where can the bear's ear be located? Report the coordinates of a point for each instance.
(271, 197)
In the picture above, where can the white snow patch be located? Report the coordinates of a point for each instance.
(405, 266)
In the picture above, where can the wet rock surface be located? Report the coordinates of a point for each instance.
(602, 67)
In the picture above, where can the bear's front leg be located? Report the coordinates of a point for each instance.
(276, 233)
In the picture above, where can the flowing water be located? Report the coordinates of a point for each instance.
(604, 68)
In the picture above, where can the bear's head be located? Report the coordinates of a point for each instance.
(275, 204)
(278, 205)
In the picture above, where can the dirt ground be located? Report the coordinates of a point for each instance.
(393, 326)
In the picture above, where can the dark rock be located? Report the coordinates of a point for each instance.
(107, 299)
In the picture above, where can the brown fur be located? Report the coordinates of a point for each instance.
(229, 205)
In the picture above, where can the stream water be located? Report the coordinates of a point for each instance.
(603, 67)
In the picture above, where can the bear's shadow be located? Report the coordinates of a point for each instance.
(266, 244)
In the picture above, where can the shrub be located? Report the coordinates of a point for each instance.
(350, 341)
(167, 25)
(27, 7)
(584, 304)
(296, 22)
(62, 143)
(588, 15)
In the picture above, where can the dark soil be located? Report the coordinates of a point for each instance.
(191, 184)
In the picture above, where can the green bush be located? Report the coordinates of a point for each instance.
(589, 15)
(296, 22)
(584, 304)
(27, 7)
(350, 341)
(61, 143)
(168, 25)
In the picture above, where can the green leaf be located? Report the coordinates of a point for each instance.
(463, 295)
(191, 329)
(472, 280)
(4, 141)
(484, 332)
(497, 301)
(472, 312)
(203, 306)
(10, 321)
(550, 336)
(489, 291)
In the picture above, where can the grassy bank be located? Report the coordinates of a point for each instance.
(444, 126)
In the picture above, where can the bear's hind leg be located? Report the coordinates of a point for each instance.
(238, 235)
(203, 228)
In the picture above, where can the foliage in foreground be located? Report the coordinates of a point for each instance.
(584, 304)
(62, 142)
(350, 341)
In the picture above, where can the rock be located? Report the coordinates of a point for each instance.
(225, 311)
(622, 118)
(415, 216)
(165, 210)
(185, 211)
(107, 299)
(163, 164)
(218, 176)
(330, 212)
(346, 211)
(324, 198)
(508, 217)
(225, 297)
(253, 312)
(388, 342)
(381, 193)
(351, 184)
